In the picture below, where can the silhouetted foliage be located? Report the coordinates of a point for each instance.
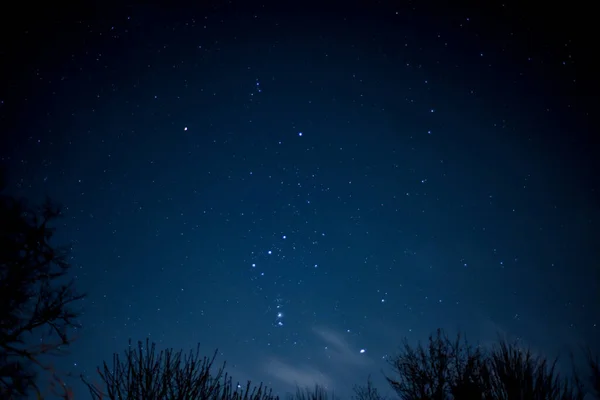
(515, 373)
(443, 369)
(168, 375)
(368, 392)
(317, 393)
(36, 301)
(446, 369)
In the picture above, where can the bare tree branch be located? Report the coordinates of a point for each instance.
(168, 375)
(37, 310)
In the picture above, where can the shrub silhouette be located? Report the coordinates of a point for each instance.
(447, 369)
(31, 299)
(515, 373)
(444, 369)
(367, 392)
(169, 375)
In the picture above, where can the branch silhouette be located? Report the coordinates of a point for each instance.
(37, 314)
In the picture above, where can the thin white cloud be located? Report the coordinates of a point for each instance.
(343, 358)
(340, 351)
(301, 376)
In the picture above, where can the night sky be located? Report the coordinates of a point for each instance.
(303, 189)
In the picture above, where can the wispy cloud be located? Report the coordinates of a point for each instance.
(301, 375)
(341, 359)
(340, 351)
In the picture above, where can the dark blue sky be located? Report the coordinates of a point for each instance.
(303, 190)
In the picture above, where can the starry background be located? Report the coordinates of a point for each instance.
(302, 190)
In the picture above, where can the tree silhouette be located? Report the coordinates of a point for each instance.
(446, 369)
(36, 301)
(515, 373)
(368, 392)
(169, 375)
